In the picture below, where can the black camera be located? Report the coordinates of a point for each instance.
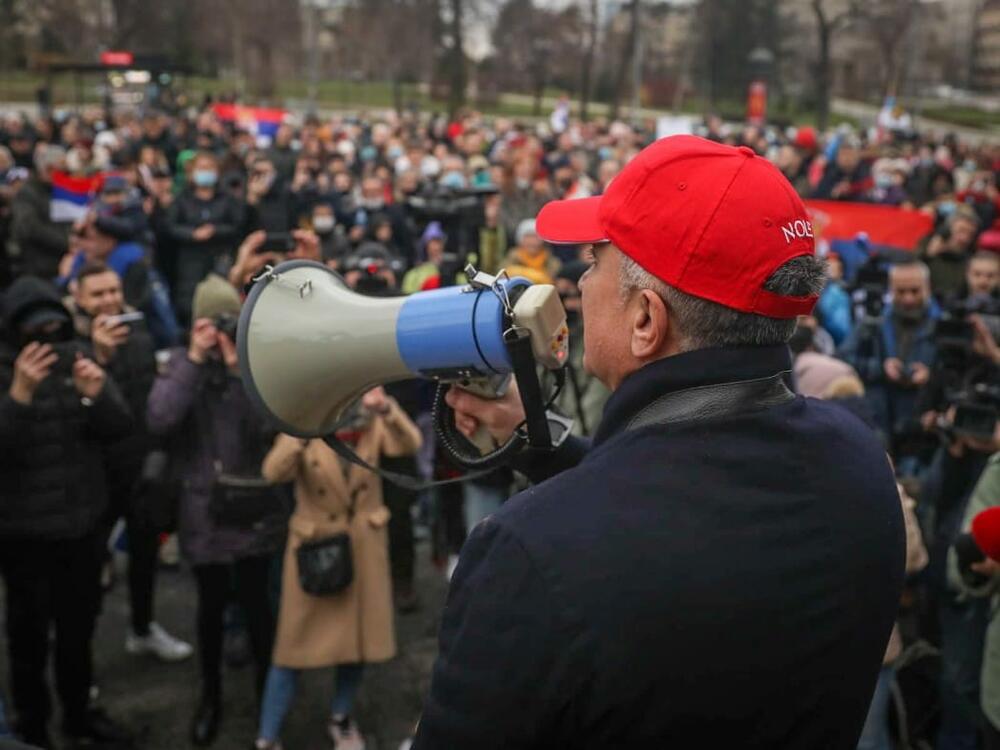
(226, 323)
(370, 260)
(868, 293)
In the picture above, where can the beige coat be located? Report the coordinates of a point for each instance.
(355, 625)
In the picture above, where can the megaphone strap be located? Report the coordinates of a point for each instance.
(405, 481)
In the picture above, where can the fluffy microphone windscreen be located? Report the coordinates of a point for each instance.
(986, 532)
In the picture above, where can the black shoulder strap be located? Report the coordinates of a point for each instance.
(714, 401)
(405, 481)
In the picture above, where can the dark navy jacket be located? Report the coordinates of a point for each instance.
(722, 584)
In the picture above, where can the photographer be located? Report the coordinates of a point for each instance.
(946, 252)
(200, 403)
(58, 409)
(126, 350)
(894, 357)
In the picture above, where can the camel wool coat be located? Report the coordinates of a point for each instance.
(355, 625)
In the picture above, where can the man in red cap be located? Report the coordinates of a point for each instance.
(721, 568)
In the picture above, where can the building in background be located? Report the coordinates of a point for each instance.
(986, 48)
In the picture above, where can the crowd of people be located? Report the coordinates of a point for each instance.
(120, 396)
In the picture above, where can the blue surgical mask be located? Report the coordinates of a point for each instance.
(394, 152)
(205, 177)
(455, 180)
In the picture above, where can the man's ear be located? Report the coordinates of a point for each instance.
(651, 328)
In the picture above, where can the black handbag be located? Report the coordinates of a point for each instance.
(241, 501)
(325, 565)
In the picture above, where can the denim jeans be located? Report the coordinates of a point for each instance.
(875, 734)
(279, 692)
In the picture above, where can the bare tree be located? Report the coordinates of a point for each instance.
(889, 22)
(589, 45)
(625, 62)
(828, 22)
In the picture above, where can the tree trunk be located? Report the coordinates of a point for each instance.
(823, 28)
(624, 64)
(587, 65)
(456, 97)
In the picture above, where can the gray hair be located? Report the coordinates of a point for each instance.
(704, 324)
(48, 156)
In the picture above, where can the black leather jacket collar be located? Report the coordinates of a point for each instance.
(687, 370)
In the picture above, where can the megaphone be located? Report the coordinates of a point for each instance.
(309, 346)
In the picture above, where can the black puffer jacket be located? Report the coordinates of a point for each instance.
(133, 368)
(51, 449)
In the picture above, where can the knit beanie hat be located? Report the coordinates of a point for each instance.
(214, 296)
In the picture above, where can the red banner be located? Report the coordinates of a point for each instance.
(117, 58)
(884, 225)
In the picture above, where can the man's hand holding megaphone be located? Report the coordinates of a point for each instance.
(500, 416)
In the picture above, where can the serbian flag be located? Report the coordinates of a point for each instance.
(263, 122)
(854, 230)
(72, 196)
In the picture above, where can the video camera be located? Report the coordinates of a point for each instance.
(371, 260)
(460, 212)
(970, 383)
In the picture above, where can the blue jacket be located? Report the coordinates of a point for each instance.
(866, 350)
(718, 584)
(833, 310)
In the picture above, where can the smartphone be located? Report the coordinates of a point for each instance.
(129, 317)
(277, 242)
(975, 421)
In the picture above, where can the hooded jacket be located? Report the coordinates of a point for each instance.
(51, 449)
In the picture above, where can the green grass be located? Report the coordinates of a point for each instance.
(335, 94)
(966, 116)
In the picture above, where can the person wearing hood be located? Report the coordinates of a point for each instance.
(41, 242)
(427, 275)
(531, 258)
(58, 410)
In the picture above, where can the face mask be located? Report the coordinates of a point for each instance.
(523, 184)
(394, 153)
(323, 224)
(453, 180)
(604, 153)
(205, 177)
(883, 181)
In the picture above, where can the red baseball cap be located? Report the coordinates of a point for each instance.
(713, 221)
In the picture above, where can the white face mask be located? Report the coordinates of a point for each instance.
(323, 224)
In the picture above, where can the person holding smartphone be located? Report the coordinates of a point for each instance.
(59, 409)
(123, 344)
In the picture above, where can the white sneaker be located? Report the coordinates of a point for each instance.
(345, 735)
(159, 643)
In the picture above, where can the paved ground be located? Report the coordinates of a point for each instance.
(158, 700)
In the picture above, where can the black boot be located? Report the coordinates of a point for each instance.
(205, 726)
(97, 730)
